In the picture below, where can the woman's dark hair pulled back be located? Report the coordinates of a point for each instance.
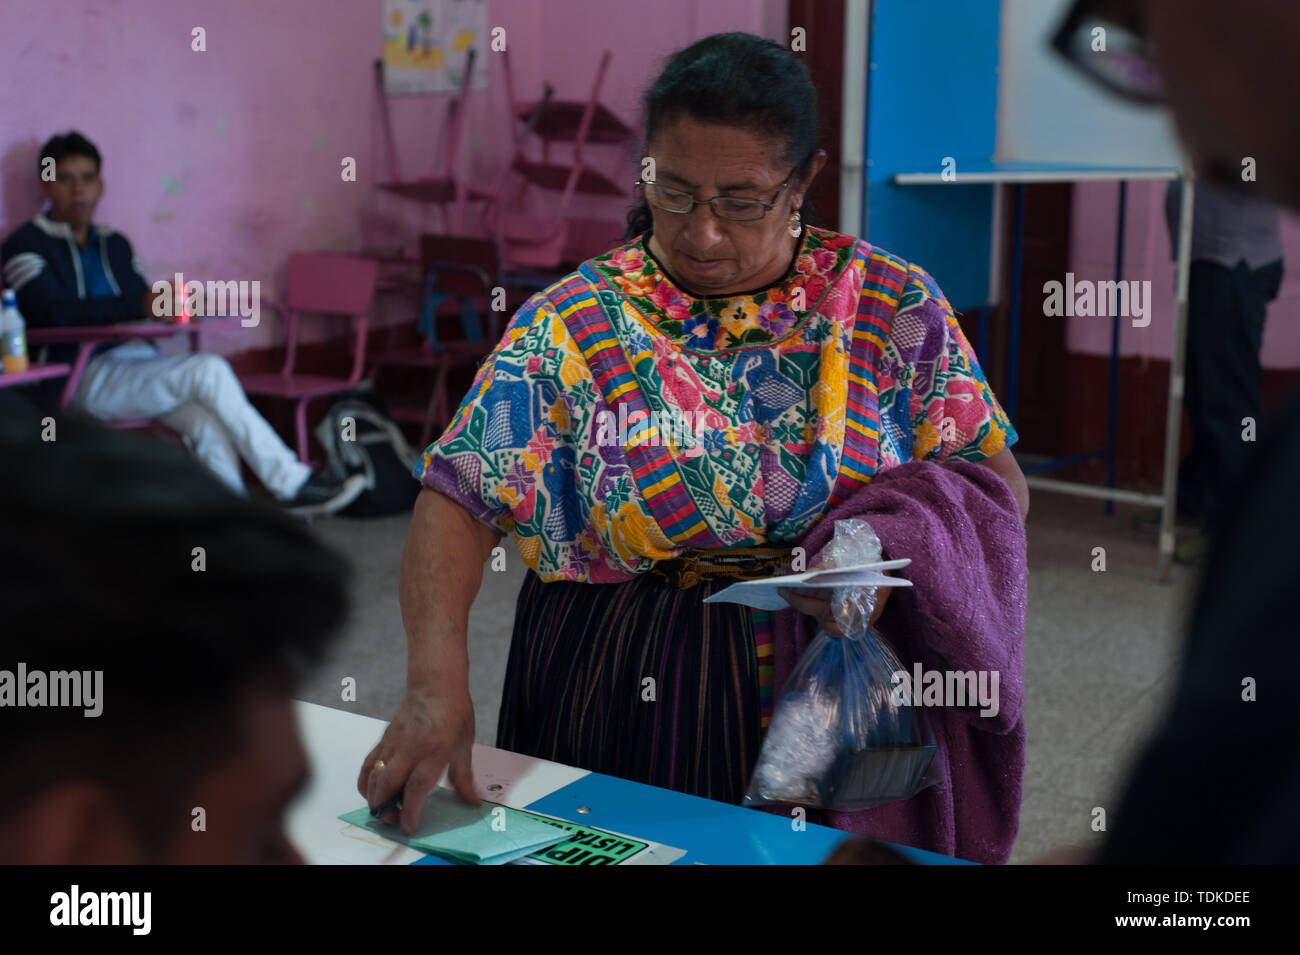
(735, 79)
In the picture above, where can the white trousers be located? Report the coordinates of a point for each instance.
(199, 396)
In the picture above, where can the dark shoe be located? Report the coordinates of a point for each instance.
(322, 494)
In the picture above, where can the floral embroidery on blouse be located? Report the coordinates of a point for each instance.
(717, 323)
(766, 385)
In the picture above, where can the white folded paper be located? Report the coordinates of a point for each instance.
(762, 594)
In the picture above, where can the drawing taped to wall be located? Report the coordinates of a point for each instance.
(426, 42)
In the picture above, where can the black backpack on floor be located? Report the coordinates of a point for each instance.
(360, 438)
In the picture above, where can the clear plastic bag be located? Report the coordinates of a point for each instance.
(838, 740)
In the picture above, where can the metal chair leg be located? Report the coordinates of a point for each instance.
(437, 410)
(300, 425)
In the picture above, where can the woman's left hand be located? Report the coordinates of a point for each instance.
(816, 602)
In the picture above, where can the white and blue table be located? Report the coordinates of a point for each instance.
(680, 829)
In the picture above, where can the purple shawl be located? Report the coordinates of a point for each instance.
(961, 526)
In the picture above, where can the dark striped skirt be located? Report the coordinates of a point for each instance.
(639, 680)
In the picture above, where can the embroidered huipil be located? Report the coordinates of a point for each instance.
(622, 419)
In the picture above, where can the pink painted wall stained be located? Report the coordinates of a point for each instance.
(220, 164)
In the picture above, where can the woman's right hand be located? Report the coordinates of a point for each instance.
(433, 729)
(817, 603)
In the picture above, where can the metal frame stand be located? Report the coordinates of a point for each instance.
(1167, 499)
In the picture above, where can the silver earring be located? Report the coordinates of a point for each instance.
(794, 224)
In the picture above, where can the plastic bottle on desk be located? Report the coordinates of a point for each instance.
(13, 335)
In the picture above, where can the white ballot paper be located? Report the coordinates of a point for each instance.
(762, 594)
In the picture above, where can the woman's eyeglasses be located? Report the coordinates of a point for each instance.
(1107, 39)
(725, 207)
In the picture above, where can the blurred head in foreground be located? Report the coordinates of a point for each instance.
(1225, 73)
(154, 629)
(1228, 79)
(1225, 78)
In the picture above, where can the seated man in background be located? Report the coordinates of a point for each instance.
(68, 271)
(182, 677)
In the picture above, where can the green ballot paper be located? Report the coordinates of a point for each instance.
(490, 834)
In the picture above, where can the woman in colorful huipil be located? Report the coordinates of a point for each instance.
(684, 410)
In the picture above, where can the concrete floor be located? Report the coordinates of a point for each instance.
(1100, 651)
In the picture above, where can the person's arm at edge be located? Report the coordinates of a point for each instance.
(1004, 465)
(442, 569)
(46, 304)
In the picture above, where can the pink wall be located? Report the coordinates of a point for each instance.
(1147, 256)
(219, 164)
